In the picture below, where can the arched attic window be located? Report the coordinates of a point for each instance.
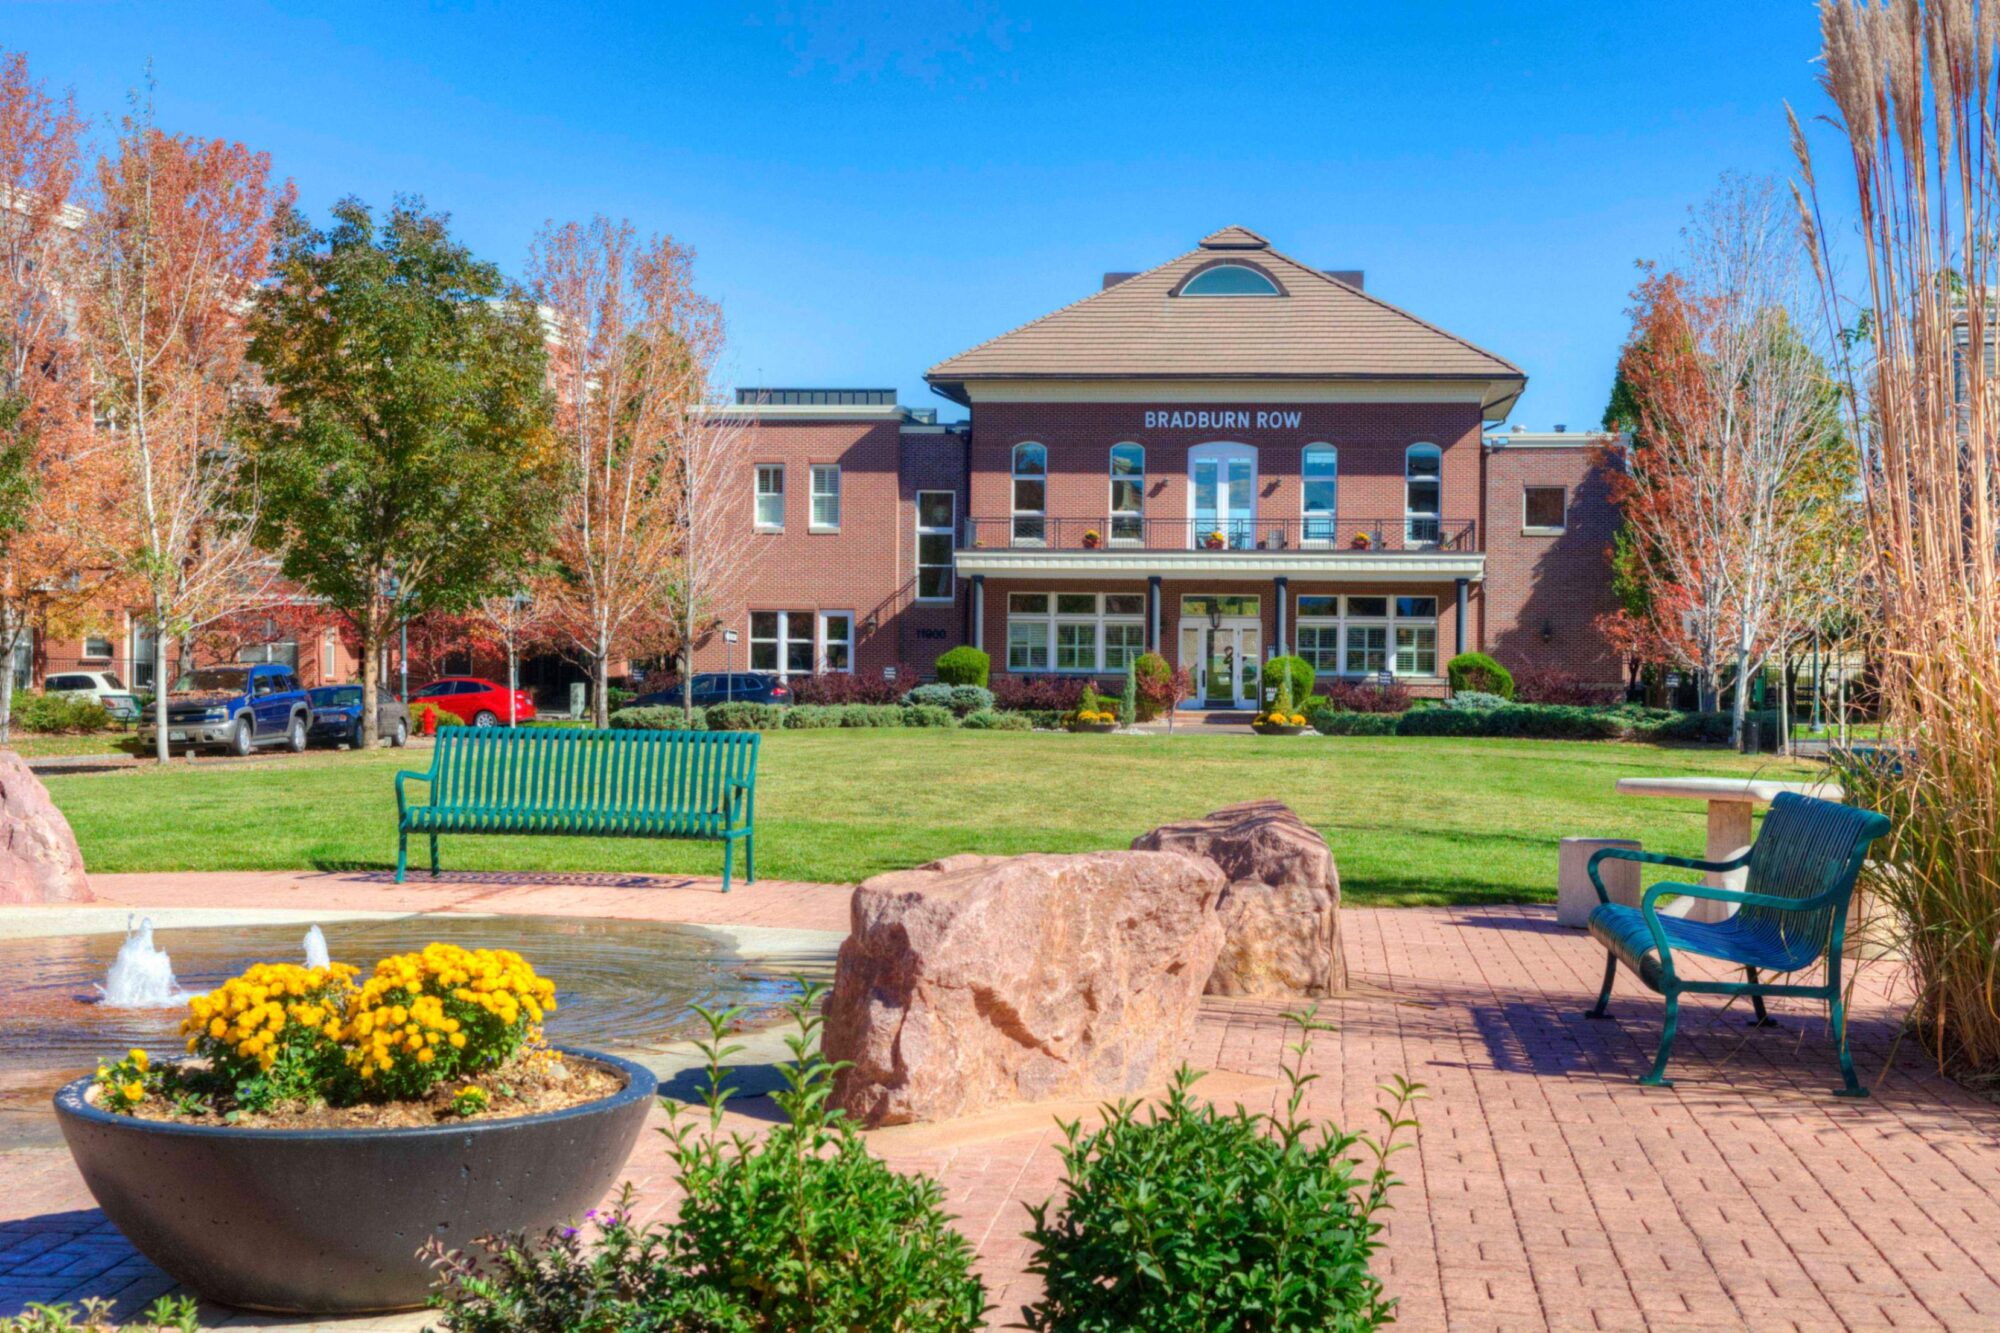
(1230, 279)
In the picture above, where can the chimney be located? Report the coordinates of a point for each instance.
(1351, 276)
(1113, 279)
(1560, 428)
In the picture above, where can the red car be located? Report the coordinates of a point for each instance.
(479, 702)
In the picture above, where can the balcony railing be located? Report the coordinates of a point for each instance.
(1128, 532)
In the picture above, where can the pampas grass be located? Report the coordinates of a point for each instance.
(1917, 104)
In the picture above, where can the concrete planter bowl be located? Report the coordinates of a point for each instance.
(330, 1221)
(1278, 729)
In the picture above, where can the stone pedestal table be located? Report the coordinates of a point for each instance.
(1576, 896)
(1730, 803)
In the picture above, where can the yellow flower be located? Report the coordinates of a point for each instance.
(138, 1059)
(133, 1092)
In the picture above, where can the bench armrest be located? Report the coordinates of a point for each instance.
(740, 790)
(1657, 859)
(406, 773)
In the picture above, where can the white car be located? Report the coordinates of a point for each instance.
(102, 686)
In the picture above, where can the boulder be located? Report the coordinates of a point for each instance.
(39, 861)
(977, 981)
(1281, 910)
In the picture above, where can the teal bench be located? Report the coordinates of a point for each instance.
(1792, 914)
(546, 781)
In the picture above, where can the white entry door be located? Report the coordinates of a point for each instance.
(1224, 661)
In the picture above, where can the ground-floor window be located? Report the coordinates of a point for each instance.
(1353, 636)
(284, 652)
(836, 637)
(781, 642)
(1074, 631)
(24, 661)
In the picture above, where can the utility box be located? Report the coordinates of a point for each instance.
(579, 698)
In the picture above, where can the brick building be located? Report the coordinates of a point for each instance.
(1222, 458)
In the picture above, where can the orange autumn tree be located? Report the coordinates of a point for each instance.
(51, 494)
(170, 256)
(631, 342)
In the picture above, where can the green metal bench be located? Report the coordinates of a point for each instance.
(548, 781)
(1802, 870)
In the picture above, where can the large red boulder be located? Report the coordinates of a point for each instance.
(977, 981)
(39, 860)
(1281, 910)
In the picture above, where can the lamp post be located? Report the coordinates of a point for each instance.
(392, 589)
(517, 611)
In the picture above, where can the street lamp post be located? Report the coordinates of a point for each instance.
(518, 610)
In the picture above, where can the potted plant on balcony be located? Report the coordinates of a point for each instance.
(1361, 541)
(1092, 539)
(322, 1130)
(1215, 540)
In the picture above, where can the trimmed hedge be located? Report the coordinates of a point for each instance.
(58, 714)
(1556, 722)
(960, 699)
(992, 721)
(657, 717)
(1477, 671)
(1330, 723)
(964, 665)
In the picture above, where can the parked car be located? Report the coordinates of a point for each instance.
(336, 716)
(475, 700)
(721, 687)
(102, 686)
(241, 706)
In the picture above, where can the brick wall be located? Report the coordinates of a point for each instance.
(1553, 584)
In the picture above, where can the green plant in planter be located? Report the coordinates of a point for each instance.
(801, 1230)
(1196, 1220)
(1128, 704)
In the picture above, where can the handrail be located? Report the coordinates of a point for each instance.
(1126, 532)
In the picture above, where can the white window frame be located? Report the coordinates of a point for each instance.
(1412, 516)
(823, 640)
(328, 662)
(814, 523)
(1392, 622)
(782, 643)
(1537, 530)
(950, 532)
(1038, 518)
(98, 648)
(1049, 623)
(1137, 480)
(761, 523)
(1309, 516)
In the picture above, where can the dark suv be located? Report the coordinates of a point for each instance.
(722, 687)
(239, 706)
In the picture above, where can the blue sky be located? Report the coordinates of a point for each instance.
(872, 188)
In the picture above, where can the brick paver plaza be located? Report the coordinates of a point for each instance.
(1546, 1189)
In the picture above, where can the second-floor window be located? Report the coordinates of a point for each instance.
(1031, 493)
(1320, 473)
(96, 645)
(1544, 508)
(771, 497)
(1423, 469)
(1128, 494)
(937, 523)
(826, 497)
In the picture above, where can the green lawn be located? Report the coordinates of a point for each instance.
(1410, 820)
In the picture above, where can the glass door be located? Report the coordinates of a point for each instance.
(1224, 663)
(1223, 482)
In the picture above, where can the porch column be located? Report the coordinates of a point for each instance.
(1153, 614)
(1461, 647)
(1282, 583)
(979, 610)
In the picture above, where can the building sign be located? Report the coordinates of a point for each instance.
(1221, 418)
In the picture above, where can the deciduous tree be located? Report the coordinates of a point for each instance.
(170, 254)
(407, 464)
(630, 350)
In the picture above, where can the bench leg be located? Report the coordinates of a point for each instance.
(1603, 1009)
(1762, 1019)
(750, 857)
(434, 856)
(1658, 1077)
(1850, 1085)
(728, 861)
(402, 853)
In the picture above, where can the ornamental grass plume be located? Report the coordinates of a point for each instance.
(1918, 109)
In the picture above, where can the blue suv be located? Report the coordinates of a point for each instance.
(239, 707)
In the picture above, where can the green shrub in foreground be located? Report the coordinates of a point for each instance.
(1477, 671)
(988, 720)
(1198, 1220)
(801, 1230)
(964, 665)
(94, 1316)
(58, 714)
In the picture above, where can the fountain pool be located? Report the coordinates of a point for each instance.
(628, 987)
